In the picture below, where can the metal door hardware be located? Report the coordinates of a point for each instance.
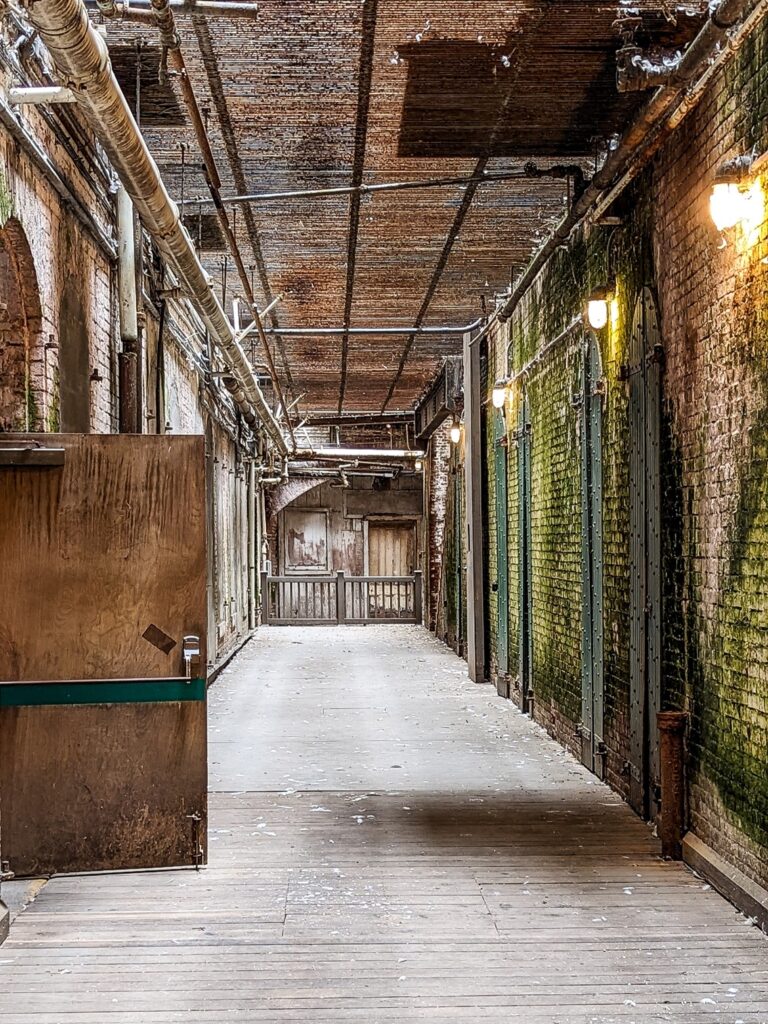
(191, 652)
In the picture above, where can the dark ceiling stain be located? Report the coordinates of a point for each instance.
(159, 105)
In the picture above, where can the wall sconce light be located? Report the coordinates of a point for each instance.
(597, 307)
(735, 199)
(455, 432)
(418, 465)
(499, 393)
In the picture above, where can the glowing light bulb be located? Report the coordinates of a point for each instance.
(456, 433)
(597, 313)
(726, 204)
(499, 394)
(418, 465)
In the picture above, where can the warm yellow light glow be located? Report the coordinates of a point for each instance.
(726, 204)
(418, 465)
(456, 433)
(499, 395)
(733, 204)
(597, 313)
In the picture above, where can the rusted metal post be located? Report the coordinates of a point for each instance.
(341, 599)
(128, 399)
(418, 611)
(672, 725)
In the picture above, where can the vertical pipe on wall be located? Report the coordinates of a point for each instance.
(128, 358)
(672, 726)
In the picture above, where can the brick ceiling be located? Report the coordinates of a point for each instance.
(344, 92)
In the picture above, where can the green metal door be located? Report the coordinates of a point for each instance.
(502, 572)
(591, 409)
(524, 555)
(644, 374)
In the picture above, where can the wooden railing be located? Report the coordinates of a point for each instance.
(339, 599)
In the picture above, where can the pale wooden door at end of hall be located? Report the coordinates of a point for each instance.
(391, 553)
(391, 549)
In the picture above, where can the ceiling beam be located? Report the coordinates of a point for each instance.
(358, 166)
(524, 173)
(453, 233)
(359, 419)
(216, 87)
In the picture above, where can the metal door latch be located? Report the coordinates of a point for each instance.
(190, 650)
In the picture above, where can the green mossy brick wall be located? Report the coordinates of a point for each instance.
(712, 297)
(713, 304)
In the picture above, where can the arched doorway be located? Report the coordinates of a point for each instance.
(22, 359)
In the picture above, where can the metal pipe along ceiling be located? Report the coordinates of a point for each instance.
(82, 60)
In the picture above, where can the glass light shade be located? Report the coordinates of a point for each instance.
(597, 313)
(499, 395)
(418, 465)
(455, 433)
(726, 204)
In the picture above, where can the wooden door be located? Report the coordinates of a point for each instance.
(102, 718)
(391, 553)
(391, 549)
(502, 573)
(592, 696)
(645, 553)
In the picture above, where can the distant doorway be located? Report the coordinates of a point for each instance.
(390, 556)
(391, 548)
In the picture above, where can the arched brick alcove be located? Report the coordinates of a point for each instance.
(22, 367)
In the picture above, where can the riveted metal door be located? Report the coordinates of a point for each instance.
(644, 375)
(502, 554)
(591, 411)
(525, 574)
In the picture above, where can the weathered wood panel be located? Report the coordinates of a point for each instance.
(104, 572)
(391, 549)
(306, 540)
(96, 551)
(100, 786)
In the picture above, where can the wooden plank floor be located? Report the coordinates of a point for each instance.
(389, 843)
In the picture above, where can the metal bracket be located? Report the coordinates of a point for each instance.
(190, 649)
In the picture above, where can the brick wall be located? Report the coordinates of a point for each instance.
(67, 277)
(714, 307)
(712, 297)
(437, 473)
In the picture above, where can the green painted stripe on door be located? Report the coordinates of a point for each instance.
(101, 691)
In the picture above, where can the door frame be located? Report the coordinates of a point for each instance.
(500, 450)
(592, 635)
(523, 439)
(644, 377)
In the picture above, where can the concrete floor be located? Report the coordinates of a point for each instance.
(388, 843)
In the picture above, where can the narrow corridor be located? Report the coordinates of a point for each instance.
(388, 842)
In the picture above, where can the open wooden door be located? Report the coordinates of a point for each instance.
(102, 652)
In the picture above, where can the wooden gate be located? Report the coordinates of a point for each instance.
(102, 652)
(502, 554)
(591, 412)
(644, 373)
